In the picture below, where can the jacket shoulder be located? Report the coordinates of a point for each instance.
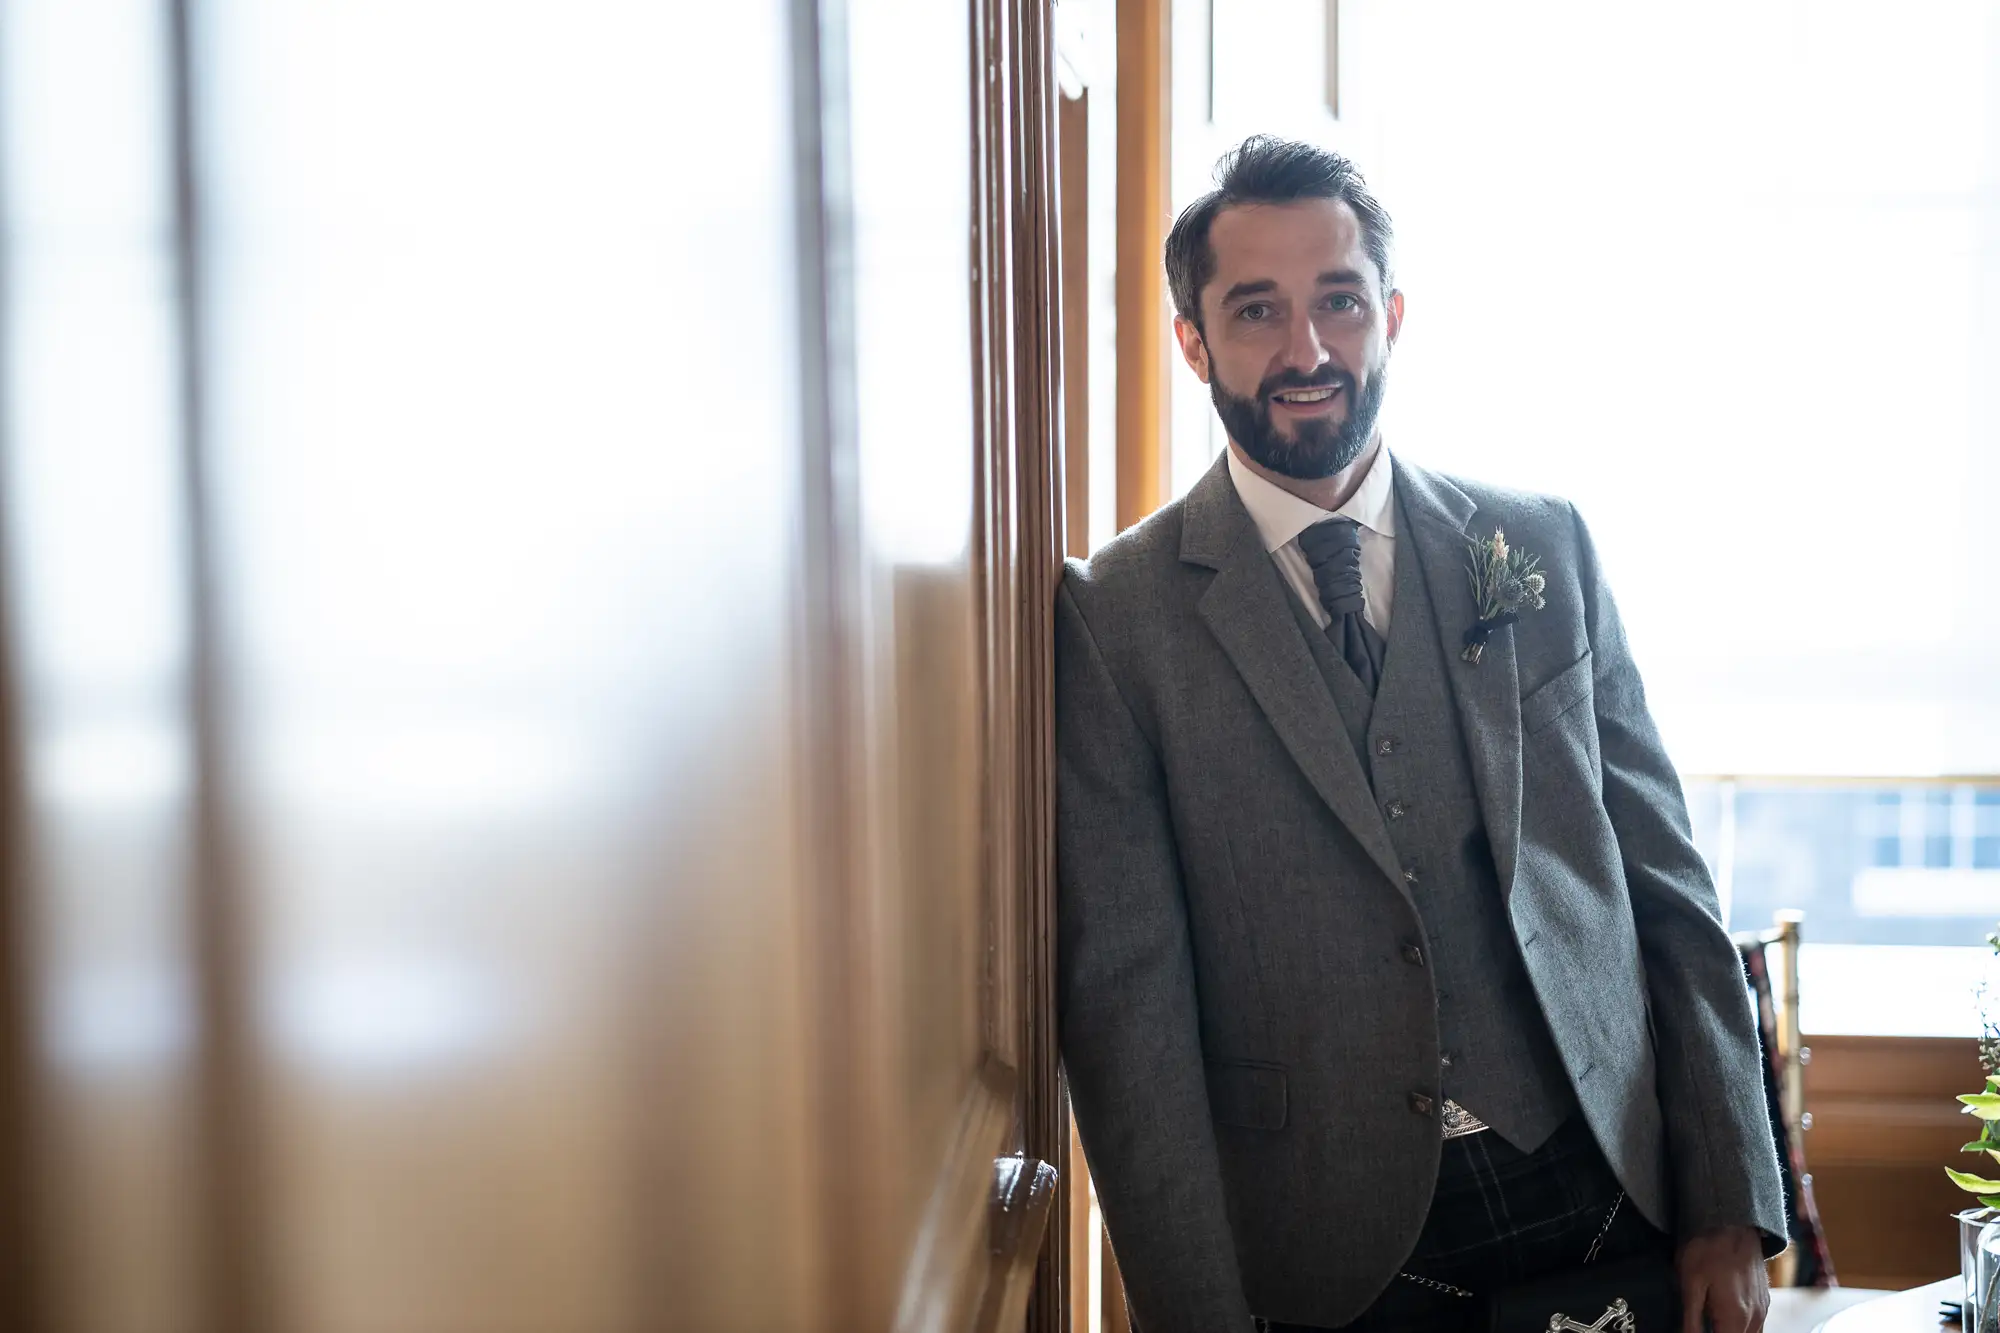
(1131, 566)
(1537, 509)
(1535, 521)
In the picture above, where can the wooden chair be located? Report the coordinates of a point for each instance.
(1804, 1291)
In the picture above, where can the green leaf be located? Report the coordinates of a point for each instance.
(1985, 1105)
(1965, 1180)
(1989, 1201)
(1977, 1145)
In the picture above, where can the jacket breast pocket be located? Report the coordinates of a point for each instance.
(1569, 689)
(1247, 1093)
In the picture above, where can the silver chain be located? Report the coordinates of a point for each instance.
(1444, 1287)
(1604, 1230)
(1591, 1258)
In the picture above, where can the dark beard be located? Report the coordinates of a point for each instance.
(1319, 448)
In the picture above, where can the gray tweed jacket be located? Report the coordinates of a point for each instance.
(1196, 743)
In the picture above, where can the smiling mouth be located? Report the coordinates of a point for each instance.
(1307, 398)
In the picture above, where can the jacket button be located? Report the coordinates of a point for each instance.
(1385, 746)
(1444, 1059)
(1409, 874)
(1396, 809)
(1413, 955)
(1421, 1103)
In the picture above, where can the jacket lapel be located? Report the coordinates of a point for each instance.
(1244, 607)
(1442, 521)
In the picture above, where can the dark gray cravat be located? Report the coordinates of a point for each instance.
(1333, 549)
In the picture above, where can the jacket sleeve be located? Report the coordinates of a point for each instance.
(1723, 1153)
(1126, 999)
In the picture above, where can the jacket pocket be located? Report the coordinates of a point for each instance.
(1570, 687)
(1247, 1093)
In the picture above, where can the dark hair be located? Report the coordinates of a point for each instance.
(1264, 169)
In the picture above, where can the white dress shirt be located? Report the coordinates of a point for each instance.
(1281, 516)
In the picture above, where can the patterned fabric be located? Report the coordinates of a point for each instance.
(1502, 1217)
(1497, 1056)
(1458, 1122)
(1815, 1263)
(1333, 549)
(1278, 1158)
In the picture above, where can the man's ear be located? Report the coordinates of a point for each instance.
(1193, 349)
(1395, 316)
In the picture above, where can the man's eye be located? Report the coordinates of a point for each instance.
(1254, 311)
(1344, 302)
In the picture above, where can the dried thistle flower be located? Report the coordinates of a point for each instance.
(1505, 581)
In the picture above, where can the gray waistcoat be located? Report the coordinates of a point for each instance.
(1501, 1063)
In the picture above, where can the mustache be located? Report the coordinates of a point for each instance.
(1326, 377)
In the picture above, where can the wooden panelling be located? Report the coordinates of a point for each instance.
(1890, 1066)
(1889, 1226)
(1144, 202)
(549, 825)
(1020, 361)
(20, 1266)
(1073, 187)
(1869, 1131)
(1884, 1127)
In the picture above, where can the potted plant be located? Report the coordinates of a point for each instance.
(1985, 1105)
(1978, 1232)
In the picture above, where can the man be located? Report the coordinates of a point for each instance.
(1388, 976)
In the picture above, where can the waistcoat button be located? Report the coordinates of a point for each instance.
(1413, 955)
(1396, 809)
(1385, 746)
(1420, 1103)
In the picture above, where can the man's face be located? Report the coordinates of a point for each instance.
(1297, 334)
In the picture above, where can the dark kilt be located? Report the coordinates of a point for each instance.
(1501, 1217)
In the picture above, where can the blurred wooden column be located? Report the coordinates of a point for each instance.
(21, 1259)
(1020, 73)
(1144, 201)
(1073, 188)
(1142, 444)
(569, 854)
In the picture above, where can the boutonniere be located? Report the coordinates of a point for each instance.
(1505, 582)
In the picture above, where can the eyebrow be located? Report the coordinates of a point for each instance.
(1338, 277)
(1243, 289)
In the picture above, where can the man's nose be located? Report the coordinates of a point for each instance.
(1304, 349)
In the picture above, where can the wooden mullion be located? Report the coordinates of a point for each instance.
(1143, 202)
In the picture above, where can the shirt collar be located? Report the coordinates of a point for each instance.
(1281, 516)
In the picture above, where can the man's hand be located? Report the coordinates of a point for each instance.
(1722, 1275)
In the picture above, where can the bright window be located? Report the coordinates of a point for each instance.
(1726, 275)
(1868, 864)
